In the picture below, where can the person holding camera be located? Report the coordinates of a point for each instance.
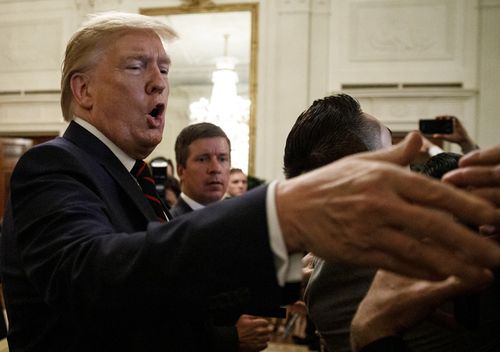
(458, 136)
(394, 303)
(330, 129)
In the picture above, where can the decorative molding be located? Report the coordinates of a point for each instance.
(320, 6)
(35, 112)
(85, 4)
(291, 6)
(489, 3)
(33, 45)
(400, 109)
(396, 31)
(411, 93)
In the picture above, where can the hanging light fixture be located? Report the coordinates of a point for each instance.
(226, 108)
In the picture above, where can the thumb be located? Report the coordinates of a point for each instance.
(402, 153)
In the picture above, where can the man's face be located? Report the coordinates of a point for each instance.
(206, 174)
(129, 92)
(237, 184)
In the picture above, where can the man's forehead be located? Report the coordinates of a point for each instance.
(126, 41)
(208, 143)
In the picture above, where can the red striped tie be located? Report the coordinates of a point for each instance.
(143, 176)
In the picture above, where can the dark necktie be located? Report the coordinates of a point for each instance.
(141, 172)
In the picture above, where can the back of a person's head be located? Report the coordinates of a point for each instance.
(331, 128)
(86, 45)
(440, 164)
(192, 133)
(173, 184)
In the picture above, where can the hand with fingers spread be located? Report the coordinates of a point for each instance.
(320, 211)
(479, 173)
(459, 135)
(396, 303)
(254, 333)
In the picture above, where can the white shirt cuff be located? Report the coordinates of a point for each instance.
(288, 268)
(435, 150)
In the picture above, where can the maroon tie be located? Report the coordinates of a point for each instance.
(143, 176)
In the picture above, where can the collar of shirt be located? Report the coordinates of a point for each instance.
(127, 161)
(192, 203)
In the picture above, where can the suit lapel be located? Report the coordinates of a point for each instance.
(105, 157)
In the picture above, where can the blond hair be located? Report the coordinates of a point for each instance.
(86, 44)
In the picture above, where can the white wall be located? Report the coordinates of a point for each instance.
(307, 49)
(488, 118)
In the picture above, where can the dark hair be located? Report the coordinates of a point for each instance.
(329, 129)
(194, 132)
(236, 170)
(440, 164)
(173, 184)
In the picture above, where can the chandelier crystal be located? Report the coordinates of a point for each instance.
(226, 109)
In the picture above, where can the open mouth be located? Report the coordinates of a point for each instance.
(157, 111)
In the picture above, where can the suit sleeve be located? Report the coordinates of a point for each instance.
(387, 344)
(77, 253)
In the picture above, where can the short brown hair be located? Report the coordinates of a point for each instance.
(192, 133)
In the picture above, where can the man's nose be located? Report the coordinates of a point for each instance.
(157, 81)
(215, 166)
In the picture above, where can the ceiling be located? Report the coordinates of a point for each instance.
(201, 42)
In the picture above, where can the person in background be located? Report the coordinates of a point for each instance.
(238, 183)
(459, 136)
(203, 157)
(395, 303)
(172, 190)
(330, 129)
(440, 164)
(89, 263)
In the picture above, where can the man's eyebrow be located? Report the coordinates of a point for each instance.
(147, 58)
(165, 60)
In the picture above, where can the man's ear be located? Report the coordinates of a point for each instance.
(80, 89)
(180, 171)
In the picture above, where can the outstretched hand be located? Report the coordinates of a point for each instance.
(396, 303)
(479, 173)
(368, 210)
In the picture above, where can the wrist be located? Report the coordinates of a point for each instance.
(467, 145)
(286, 217)
(363, 335)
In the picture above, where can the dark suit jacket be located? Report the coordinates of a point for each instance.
(84, 269)
(387, 344)
(225, 337)
(180, 207)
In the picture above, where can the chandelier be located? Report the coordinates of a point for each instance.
(226, 108)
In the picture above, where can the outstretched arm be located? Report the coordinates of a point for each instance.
(396, 303)
(320, 212)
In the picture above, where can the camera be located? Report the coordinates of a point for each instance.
(430, 126)
(159, 173)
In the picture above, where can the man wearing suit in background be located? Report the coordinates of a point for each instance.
(203, 157)
(86, 266)
(330, 129)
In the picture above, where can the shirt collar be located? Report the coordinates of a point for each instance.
(192, 203)
(127, 161)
